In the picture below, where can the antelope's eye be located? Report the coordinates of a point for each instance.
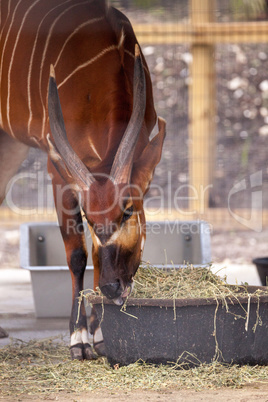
(127, 214)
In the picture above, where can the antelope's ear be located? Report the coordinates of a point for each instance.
(143, 168)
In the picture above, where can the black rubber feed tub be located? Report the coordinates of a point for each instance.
(161, 330)
(262, 268)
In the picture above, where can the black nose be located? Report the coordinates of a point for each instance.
(111, 290)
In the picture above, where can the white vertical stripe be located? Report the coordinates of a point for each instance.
(44, 56)
(8, 12)
(4, 48)
(87, 63)
(11, 62)
(94, 20)
(2, 27)
(12, 14)
(31, 64)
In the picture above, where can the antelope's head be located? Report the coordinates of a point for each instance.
(113, 205)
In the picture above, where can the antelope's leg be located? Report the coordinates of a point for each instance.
(95, 330)
(72, 231)
(94, 325)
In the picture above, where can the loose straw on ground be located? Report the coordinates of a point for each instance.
(43, 367)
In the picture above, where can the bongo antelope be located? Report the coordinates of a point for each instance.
(75, 84)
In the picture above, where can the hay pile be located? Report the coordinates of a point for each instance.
(189, 282)
(171, 283)
(43, 367)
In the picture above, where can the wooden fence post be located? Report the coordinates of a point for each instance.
(201, 112)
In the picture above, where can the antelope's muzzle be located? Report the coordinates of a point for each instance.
(112, 290)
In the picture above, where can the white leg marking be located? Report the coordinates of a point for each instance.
(79, 337)
(98, 337)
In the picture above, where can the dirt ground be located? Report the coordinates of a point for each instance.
(255, 392)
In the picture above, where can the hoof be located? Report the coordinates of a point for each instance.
(88, 353)
(3, 333)
(82, 352)
(100, 348)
